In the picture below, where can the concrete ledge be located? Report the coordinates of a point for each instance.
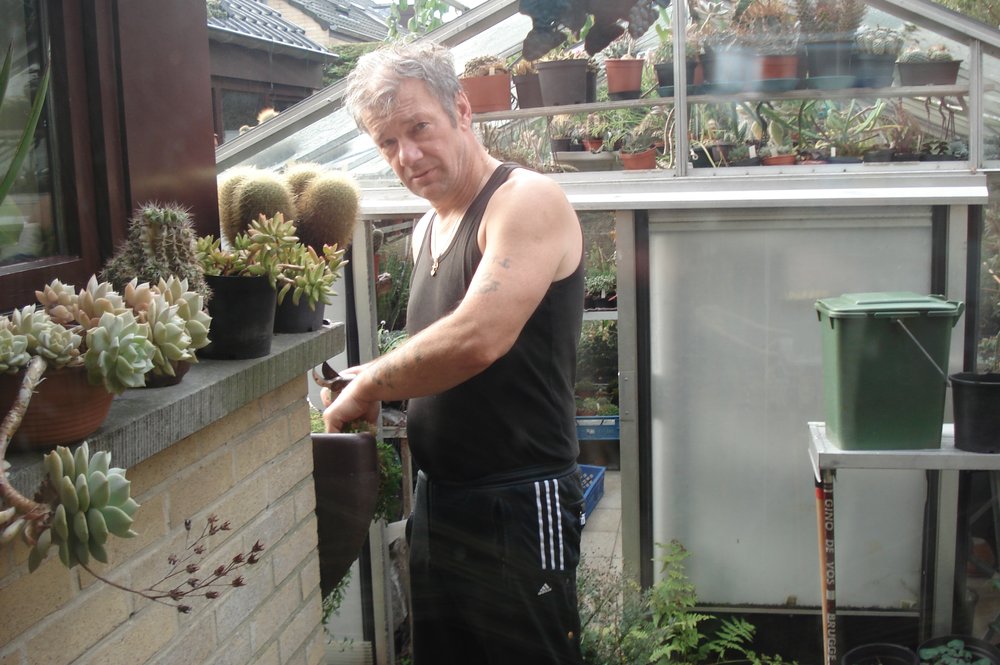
(144, 422)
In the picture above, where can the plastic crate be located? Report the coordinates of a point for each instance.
(590, 428)
(593, 486)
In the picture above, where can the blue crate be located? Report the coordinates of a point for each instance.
(597, 428)
(593, 486)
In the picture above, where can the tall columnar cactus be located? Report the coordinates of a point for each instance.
(255, 193)
(161, 243)
(328, 209)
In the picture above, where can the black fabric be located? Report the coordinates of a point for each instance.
(493, 572)
(517, 416)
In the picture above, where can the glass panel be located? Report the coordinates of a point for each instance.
(28, 228)
(991, 111)
(239, 110)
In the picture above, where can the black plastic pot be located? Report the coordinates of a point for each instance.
(242, 310)
(880, 654)
(292, 318)
(976, 401)
(563, 82)
(345, 474)
(830, 57)
(874, 71)
(665, 72)
(529, 91)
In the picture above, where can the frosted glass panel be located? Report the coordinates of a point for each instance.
(735, 378)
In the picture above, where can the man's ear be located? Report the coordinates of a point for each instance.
(463, 110)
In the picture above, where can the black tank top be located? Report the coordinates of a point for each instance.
(515, 420)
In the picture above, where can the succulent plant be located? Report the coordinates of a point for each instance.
(485, 65)
(161, 243)
(60, 301)
(879, 41)
(93, 503)
(190, 307)
(59, 345)
(328, 210)
(166, 329)
(13, 351)
(256, 192)
(936, 53)
(95, 300)
(830, 19)
(119, 352)
(299, 175)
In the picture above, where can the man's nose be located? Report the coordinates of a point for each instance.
(409, 153)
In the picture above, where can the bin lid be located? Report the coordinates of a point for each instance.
(888, 303)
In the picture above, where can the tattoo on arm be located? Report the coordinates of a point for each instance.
(489, 284)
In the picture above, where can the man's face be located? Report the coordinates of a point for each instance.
(419, 141)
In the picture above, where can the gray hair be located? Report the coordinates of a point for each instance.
(374, 83)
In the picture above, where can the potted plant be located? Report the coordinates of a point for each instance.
(876, 50)
(827, 28)
(880, 653)
(769, 33)
(976, 395)
(933, 65)
(178, 325)
(326, 202)
(88, 346)
(242, 278)
(740, 155)
(623, 68)
(245, 193)
(486, 82)
(662, 56)
(638, 150)
(957, 650)
(526, 84)
(595, 131)
(562, 75)
(564, 133)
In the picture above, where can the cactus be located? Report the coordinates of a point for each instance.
(485, 65)
(93, 503)
(936, 53)
(829, 19)
(328, 210)
(257, 193)
(161, 242)
(879, 41)
(298, 176)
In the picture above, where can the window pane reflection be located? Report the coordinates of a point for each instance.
(27, 220)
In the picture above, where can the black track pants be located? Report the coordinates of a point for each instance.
(493, 572)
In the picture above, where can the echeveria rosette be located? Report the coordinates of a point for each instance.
(97, 299)
(59, 301)
(94, 503)
(169, 336)
(190, 307)
(119, 352)
(13, 351)
(60, 346)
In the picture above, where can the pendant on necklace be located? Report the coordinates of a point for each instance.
(434, 267)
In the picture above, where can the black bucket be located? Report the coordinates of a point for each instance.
(976, 400)
(880, 654)
(291, 318)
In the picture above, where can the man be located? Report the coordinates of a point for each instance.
(494, 318)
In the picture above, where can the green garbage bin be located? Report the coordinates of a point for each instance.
(885, 360)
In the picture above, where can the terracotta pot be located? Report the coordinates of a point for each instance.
(163, 380)
(64, 409)
(346, 478)
(624, 77)
(778, 67)
(778, 160)
(637, 161)
(488, 93)
(592, 144)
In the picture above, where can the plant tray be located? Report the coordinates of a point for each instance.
(599, 428)
(593, 486)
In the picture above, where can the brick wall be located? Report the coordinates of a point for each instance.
(253, 468)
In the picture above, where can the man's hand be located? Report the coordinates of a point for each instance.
(345, 408)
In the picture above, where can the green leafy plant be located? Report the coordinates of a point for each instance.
(625, 625)
(952, 652)
(28, 133)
